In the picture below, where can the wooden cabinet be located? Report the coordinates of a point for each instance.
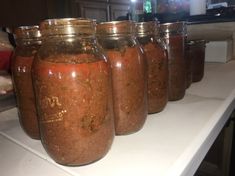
(93, 9)
(217, 160)
(101, 10)
(29, 12)
(24, 12)
(117, 10)
(127, 2)
(15, 13)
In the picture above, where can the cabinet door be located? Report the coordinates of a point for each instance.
(93, 10)
(217, 160)
(117, 10)
(120, 1)
(23, 12)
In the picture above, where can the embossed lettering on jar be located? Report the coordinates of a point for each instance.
(128, 75)
(28, 39)
(73, 92)
(157, 65)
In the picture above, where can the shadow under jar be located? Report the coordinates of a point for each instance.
(28, 41)
(174, 37)
(157, 65)
(73, 92)
(128, 74)
(197, 54)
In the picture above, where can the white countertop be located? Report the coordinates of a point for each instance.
(171, 143)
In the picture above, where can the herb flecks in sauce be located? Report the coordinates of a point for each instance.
(75, 108)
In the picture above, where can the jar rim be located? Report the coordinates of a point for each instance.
(27, 32)
(174, 23)
(114, 28)
(179, 26)
(116, 22)
(66, 21)
(196, 42)
(71, 26)
(147, 28)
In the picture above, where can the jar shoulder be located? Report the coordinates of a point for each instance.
(70, 50)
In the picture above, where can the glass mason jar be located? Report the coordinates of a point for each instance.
(28, 40)
(73, 92)
(188, 62)
(197, 54)
(174, 36)
(128, 74)
(157, 65)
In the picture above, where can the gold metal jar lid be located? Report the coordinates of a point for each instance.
(115, 28)
(68, 26)
(147, 28)
(174, 28)
(27, 32)
(198, 42)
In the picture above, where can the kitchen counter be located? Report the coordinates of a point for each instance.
(218, 31)
(171, 143)
(217, 15)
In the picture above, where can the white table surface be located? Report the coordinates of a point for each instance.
(171, 143)
(15, 160)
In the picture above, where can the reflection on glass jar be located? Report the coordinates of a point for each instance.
(157, 65)
(128, 74)
(73, 92)
(28, 39)
(174, 36)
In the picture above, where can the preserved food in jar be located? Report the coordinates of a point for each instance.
(174, 36)
(197, 55)
(157, 65)
(73, 92)
(128, 75)
(188, 63)
(28, 40)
